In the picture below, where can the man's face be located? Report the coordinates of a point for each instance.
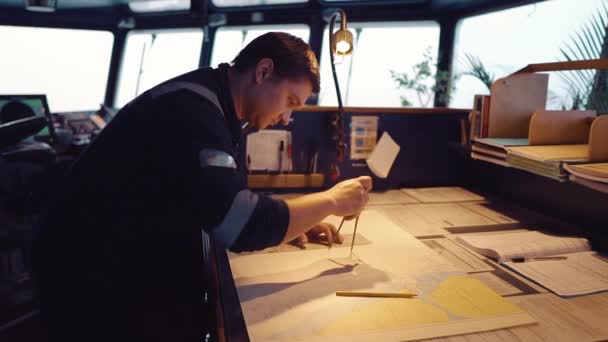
(272, 101)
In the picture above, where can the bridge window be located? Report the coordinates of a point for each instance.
(69, 66)
(501, 43)
(382, 54)
(152, 57)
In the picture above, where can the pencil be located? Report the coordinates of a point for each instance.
(375, 294)
(539, 258)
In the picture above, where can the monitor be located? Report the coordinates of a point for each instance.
(14, 107)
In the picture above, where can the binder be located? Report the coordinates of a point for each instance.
(517, 113)
(513, 101)
(550, 160)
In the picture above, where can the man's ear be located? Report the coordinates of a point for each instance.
(263, 70)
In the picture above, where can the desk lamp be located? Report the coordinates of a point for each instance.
(341, 44)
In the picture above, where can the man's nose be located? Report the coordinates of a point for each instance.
(286, 117)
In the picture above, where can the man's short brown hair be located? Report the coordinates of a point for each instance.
(292, 57)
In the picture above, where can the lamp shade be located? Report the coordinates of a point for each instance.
(342, 42)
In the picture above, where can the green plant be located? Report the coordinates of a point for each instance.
(588, 88)
(474, 67)
(426, 80)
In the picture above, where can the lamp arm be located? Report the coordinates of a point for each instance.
(339, 118)
(332, 22)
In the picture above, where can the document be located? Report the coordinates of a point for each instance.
(579, 274)
(390, 197)
(527, 244)
(442, 194)
(383, 156)
(580, 271)
(279, 291)
(363, 136)
(457, 255)
(435, 220)
(268, 150)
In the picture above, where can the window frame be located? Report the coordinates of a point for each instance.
(121, 61)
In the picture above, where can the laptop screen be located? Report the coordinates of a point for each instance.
(15, 107)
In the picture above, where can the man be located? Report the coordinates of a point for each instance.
(120, 256)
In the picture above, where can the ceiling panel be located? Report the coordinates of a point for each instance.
(69, 3)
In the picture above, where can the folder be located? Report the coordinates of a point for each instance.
(560, 127)
(513, 101)
(549, 160)
(594, 176)
(494, 150)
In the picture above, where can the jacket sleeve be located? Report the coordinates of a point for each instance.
(212, 190)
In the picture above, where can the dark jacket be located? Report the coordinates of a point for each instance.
(119, 256)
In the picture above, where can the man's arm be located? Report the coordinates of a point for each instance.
(211, 193)
(347, 198)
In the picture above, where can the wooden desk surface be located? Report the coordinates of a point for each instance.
(581, 318)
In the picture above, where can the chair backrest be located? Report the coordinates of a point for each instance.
(15, 107)
(14, 131)
(15, 110)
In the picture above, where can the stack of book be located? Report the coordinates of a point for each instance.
(547, 160)
(501, 119)
(594, 176)
(479, 117)
(512, 128)
(494, 150)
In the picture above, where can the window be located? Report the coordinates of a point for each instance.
(507, 41)
(245, 3)
(154, 57)
(366, 78)
(230, 40)
(69, 66)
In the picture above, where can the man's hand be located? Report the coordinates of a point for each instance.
(350, 196)
(323, 233)
(347, 199)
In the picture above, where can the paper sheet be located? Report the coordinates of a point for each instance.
(291, 296)
(432, 220)
(264, 152)
(457, 255)
(502, 142)
(442, 194)
(580, 273)
(287, 247)
(528, 244)
(502, 213)
(457, 296)
(524, 284)
(560, 320)
(495, 283)
(390, 197)
(363, 136)
(383, 156)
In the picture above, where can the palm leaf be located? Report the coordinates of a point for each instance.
(581, 78)
(591, 42)
(475, 68)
